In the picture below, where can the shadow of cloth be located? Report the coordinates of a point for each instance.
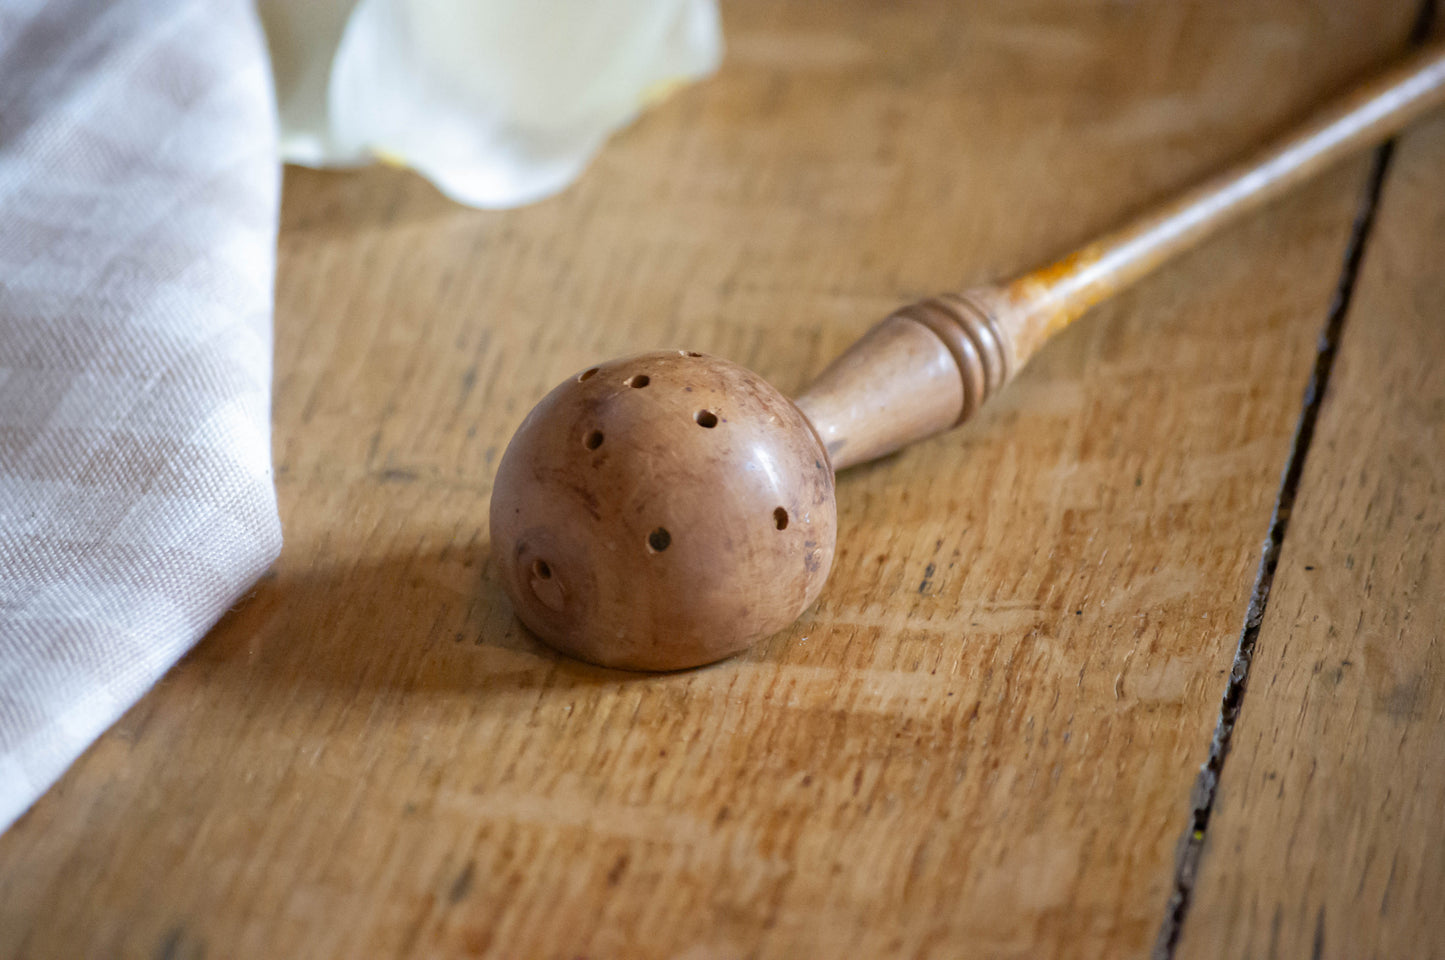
(320, 203)
(410, 623)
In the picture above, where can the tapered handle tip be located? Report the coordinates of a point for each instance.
(922, 370)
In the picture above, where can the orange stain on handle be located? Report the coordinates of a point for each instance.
(1045, 301)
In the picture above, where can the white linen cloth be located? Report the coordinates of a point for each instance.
(138, 207)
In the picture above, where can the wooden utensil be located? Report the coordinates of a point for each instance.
(669, 509)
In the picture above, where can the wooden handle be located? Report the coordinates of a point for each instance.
(929, 366)
(920, 371)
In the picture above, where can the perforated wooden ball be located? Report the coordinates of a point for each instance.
(663, 511)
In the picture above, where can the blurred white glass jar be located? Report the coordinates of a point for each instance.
(498, 102)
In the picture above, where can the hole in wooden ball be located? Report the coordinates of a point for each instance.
(594, 440)
(693, 353)
(705, 418)
(587, 374)
(659, 540)
(780, 518)
(638, 381)
(547, 590)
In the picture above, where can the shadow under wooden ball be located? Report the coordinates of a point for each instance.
(670, 509)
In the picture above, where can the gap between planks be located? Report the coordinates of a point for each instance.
(1191, 843)
(1206, 784)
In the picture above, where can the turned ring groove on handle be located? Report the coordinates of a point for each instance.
(976, 340)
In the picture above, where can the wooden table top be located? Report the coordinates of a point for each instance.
(986, 738)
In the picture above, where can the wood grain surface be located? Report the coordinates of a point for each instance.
(982, 739)
(1328, 838)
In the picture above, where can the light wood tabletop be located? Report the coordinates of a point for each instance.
(1052, 702)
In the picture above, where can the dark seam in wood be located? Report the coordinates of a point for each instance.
(1191, 843)
(1206, 784)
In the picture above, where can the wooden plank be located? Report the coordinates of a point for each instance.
(981, 739)
(1328, 836)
